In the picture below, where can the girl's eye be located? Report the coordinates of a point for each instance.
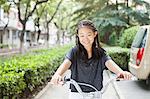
(81, 35)
(89, 35)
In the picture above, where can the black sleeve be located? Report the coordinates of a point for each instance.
(105, 58)
(70, 55)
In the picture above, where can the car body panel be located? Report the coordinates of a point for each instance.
(143, 70)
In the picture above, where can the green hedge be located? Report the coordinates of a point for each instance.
(127, 37)
(27, 71)
(119, 55)
(11, 83)
(3, 45)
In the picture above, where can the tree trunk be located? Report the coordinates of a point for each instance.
(22, 39)
(128, 18)
(63, 37)
(118, 30)
(58, 37)
(47, 39)
(106, 37)
(1, 37)
(39, 33)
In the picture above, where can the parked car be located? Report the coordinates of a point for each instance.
(139, 63)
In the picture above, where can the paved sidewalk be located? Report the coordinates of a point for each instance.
(61, 92)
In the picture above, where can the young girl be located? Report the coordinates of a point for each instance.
(87, 60)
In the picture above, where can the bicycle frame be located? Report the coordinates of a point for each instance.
(93, 95)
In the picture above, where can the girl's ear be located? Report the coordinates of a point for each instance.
(77, 35)
(96, 33)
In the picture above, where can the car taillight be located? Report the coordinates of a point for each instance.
(139, 56)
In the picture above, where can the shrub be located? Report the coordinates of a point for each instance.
(112, 39)
(11, 84)
(3, 45)
(25, 72)
(127, 37)
(119, 55)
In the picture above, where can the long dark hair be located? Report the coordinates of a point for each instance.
(97, 51)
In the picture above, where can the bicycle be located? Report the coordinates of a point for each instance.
(92, 95)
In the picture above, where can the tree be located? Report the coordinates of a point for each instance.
(2, 2)
(63, 21)
(50, 12)
(26, 9)
(113, 16)
(6, 6)
(39, 13)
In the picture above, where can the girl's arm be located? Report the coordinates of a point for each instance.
(112, 66)
(57, 77)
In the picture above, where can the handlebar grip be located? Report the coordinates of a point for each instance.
(66, 79)
(120, 76)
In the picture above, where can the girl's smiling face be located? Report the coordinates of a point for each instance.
(86, 36)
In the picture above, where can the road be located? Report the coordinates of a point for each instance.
(134, 89)
(130, 89)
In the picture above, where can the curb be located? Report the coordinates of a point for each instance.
(42, 91)
(67, 73)
(119, 94)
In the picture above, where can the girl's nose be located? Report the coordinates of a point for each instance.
(86, 37)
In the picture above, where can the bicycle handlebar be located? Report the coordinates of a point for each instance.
(76, 84)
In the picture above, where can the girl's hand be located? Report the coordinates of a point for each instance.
(125, 75)
(56, 80)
